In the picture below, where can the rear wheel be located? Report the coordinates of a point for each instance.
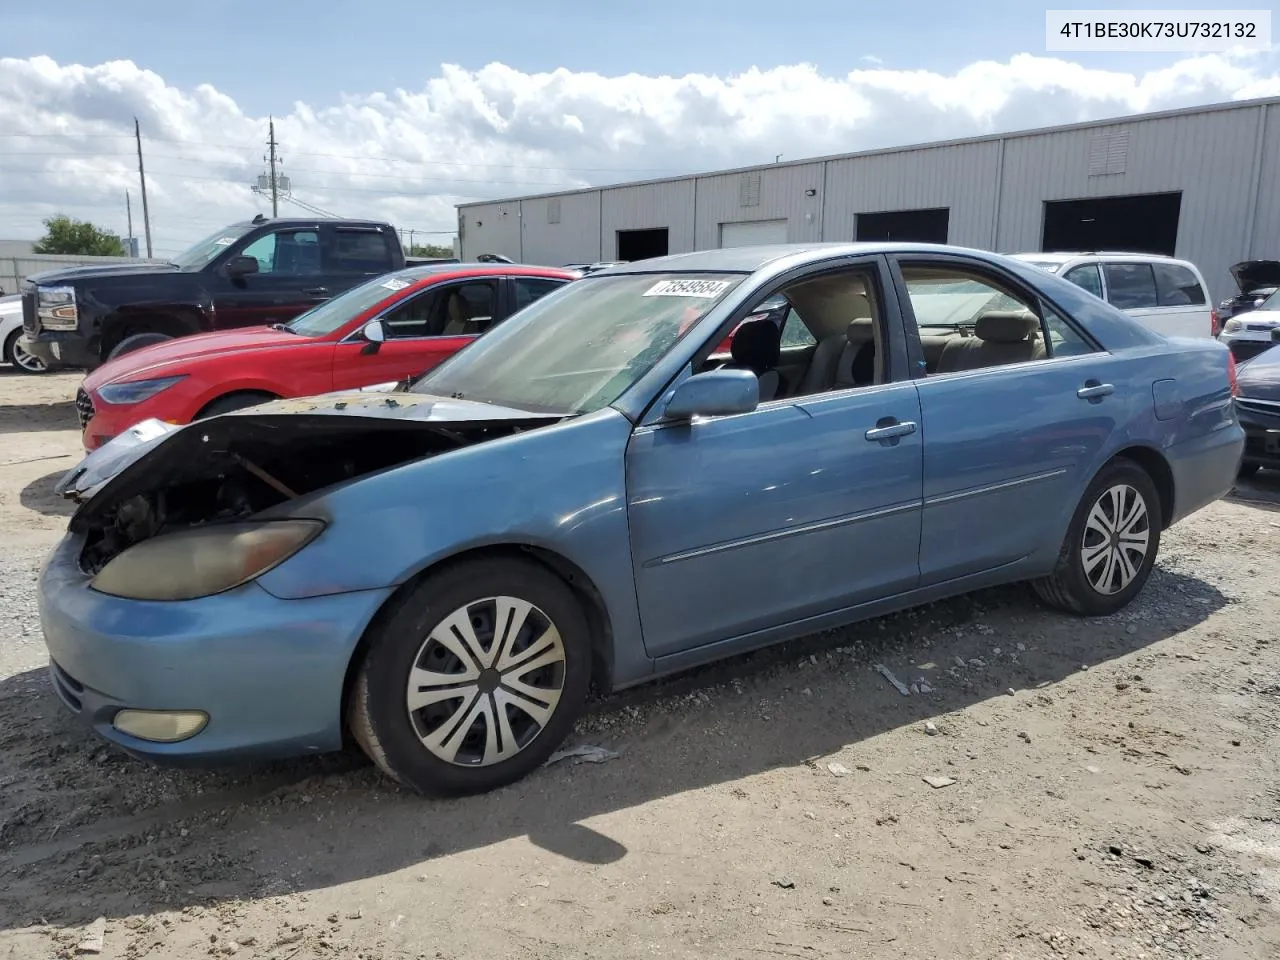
(234, 401)
(1111, 544)
(472, 680)
(26, 362)
(136, 341)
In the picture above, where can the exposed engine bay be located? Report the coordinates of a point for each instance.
(235, 467)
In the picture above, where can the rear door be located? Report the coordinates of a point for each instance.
(1010, 426)
(289, 280)
(354, 254)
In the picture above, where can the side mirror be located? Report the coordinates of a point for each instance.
(374, 334)
(241, 266)
(716, 393)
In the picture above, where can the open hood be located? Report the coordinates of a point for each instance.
(339, 413)
(1253, 275)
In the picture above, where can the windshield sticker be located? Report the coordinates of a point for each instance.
(703, 289)
(394, 284)
(224, 241)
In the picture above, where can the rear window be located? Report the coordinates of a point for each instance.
(1130, 285)
(359, 251)
(1176, 286)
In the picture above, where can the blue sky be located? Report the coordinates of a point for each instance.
(266, 57)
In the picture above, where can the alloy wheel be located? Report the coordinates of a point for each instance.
(486, 681)
(25, 361)
(1117, 535)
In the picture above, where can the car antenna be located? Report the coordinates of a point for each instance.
(260, 218)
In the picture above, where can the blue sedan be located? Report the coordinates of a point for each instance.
(597, 492)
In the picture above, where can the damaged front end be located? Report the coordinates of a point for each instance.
(158, 479)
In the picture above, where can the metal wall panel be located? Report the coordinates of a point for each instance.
(1265, 233)
(766, 193)
(961, 177)
(1207, 156)
(490, 228)
(645, 207)
(575, 239)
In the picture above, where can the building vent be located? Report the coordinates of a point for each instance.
(553, 210)
(1108, 153)
(749, 190)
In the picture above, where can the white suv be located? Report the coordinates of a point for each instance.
(1165, 294)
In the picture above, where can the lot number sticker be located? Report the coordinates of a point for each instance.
(703, 289)
(394, 284)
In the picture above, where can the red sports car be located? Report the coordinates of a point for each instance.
(396, 326)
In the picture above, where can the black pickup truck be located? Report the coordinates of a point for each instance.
(260, 271)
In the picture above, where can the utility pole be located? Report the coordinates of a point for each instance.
(271, 144)
(142, 177)
(128, 211)
(411, 243)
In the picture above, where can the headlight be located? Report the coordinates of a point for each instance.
(56, 307)
(135, 391)
(203, 561)
(1231, 326)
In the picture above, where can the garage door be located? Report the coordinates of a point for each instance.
(753, 233)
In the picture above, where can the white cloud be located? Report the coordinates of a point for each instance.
(410, 155)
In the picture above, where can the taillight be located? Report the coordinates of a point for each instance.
(1231, 374)
(1213, 323)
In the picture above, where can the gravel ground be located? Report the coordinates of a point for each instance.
(1108, 790)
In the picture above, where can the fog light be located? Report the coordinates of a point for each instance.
(161, 726)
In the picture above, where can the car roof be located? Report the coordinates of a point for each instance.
(752, 258)
(437, 270)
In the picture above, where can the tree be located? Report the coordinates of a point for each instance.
(78, 238)
(429, 250)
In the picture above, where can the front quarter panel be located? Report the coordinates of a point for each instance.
(560, 488)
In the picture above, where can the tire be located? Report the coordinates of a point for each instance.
(446, 748)
(136, 341)
(1248, 470)
(1073, 588)
(24, 362)
(234, 401)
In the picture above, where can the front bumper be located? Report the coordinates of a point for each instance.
(268, 672)
(62, 349)
(1261, 423)
(1244, 345)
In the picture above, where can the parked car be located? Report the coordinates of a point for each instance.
(1249, 332)
(1165, 294)
(386, 329)
(1257, 280)
(582, 496)
(11, 349)
(1258, 408)
(248, 274)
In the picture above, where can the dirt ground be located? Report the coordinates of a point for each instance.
(1115, 791)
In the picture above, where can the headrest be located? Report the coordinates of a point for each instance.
(757, 344)
(1005, 326)
(861, 331)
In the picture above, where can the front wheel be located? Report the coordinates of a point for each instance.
(471, 680)
(1111, 544)
(20, 358)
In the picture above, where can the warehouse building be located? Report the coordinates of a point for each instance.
(1202, 184)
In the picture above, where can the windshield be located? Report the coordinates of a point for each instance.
(195, 257)
(580, 348)
(1271, 303)
(1053, 266)
(326, 317)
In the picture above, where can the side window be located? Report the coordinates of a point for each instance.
(411, 318)
(967, 321)
(1176, 286)
(1130, 286)
(528, 289)
(464, 309)
(1064, 341)
(359, 252)
(795, 333)
(1086, 277)
(287, 253)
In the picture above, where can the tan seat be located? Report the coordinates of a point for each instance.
(833, 364)
(999, 338)
(459, 316)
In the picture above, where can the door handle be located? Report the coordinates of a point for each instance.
(317, 292)
(1093, 390)
(891, 431)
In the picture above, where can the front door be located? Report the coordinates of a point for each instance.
(807, 505)
(1010, 424)
(289, 280)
